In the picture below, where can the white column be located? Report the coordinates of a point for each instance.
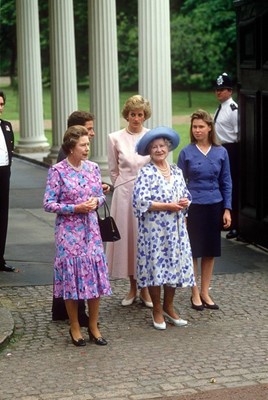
(32, 138)
(103, 66)
(155, 59)
(63, 70)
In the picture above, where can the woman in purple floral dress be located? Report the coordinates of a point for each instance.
(73, 192)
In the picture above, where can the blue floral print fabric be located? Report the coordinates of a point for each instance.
(164, 252)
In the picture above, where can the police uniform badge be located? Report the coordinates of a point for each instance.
(224, 82)
(233, 107)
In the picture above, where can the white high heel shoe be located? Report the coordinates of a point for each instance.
(162, 326)
(127, 302)
(176, 322)
(148, 304)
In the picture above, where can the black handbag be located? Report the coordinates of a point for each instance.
(108, 229)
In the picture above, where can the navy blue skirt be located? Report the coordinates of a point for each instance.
(204, 227)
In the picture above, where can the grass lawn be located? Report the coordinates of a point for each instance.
(180, 107)
(183, 131)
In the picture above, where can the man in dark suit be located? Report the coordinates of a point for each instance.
(6, 149)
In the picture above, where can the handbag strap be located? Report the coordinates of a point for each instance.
(106, 210)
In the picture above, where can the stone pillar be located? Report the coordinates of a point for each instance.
(32, 138)
(63, 70)
(103, 66)
(155, 59)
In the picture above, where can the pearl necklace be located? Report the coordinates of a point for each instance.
(133, 133)
(164, 171)
(71, 165)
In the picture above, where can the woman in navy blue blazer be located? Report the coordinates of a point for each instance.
(206, 169)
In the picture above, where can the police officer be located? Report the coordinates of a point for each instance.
(226, 124)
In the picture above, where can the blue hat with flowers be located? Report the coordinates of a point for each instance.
(157, 133)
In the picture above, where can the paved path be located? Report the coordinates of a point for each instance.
(220, 355)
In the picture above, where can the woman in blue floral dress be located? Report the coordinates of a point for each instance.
(73, 192)
(160, 202)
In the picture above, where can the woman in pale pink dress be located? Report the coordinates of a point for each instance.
(124, 164)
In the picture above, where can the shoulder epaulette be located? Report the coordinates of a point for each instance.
(233, 107)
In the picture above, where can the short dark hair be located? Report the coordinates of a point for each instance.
(2, 94)
(71, 137)
(79, 118)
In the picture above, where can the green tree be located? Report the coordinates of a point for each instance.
(127, 52)
(217, 18)
(81, 41)
(203, 41)
(8, 44)
(44, 41)
(195, 53)
(203, 38)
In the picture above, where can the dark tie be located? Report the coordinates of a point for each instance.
(217, 113)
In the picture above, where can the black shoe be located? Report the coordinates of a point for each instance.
(196, 307)
(80, 342)
(209, 306)
(232, 234)
(83, 320)
(7, 268)
(100, 340)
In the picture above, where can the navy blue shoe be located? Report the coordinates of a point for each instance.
(209, 306)
(197, 307)
(232, 234)
(79, 342)
(99, 341)
(7, 268)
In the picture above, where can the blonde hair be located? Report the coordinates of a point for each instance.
(137, 102)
